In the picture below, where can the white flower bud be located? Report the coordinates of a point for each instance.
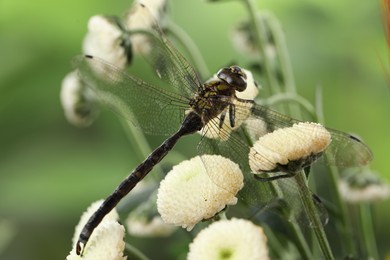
(363, 186)
(292, 147)
(142, 16)
(187, 195)
(252, 88)
(106, 242)
(78, 101)
(105, 40)
(230, 239)
(244, 40)
(144, 227)
(144, 220)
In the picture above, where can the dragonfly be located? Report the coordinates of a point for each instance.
(183, 105)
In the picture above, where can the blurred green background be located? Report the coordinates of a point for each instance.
(51, 171)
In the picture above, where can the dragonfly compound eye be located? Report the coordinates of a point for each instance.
(234, 76)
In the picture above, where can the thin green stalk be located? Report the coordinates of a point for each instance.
(291, 97)
(191, 48)
(261, 41)
(302, 245)
(284, 60)
(135, 253)
(311, 212)
(367, 229)
(343, 226)
(280, 248)
(139, 142)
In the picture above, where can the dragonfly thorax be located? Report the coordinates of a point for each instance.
(215, 97)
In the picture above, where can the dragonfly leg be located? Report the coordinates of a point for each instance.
(232, 114)
(276, 177)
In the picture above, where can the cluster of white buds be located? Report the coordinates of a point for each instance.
(106, 241)
(108, 38)
(230, 239)
(188, 195)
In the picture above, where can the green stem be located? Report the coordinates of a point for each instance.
(261, 41)
(302, 243)
(291, 97)
(284, 60)
(343, 226)
(311, 212)
(139, 142)
(367, 229)
(135, 253)
(191, 48)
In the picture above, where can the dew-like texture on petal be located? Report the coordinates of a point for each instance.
(77, 101)
(187, 195)
(106, 242)
(288, 144)
(103, 40)
(143, 227)
(234, 239)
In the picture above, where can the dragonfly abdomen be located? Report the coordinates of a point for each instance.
(191, 124)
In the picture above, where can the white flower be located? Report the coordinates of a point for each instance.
(363, 187)
(244, 40)
(233, 239)
(142, 16)
(144, 227)
(252, 88)
(106, 241)
(77, 101)
(106, 40)
(145, 221)
(256, 128)
(293, 147)
(211, 130)
(188, 195)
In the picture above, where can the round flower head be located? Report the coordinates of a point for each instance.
(289, 149)
(233, 239)
(106, 39)
(143, 15)
(145, 227)
(145, 221)
(363, 186)
(187, 195)
(212, 129)
(106, 241)
(244, 40)
(77, 101)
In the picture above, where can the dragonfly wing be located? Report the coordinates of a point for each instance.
(344, 150)
(154, 110)
(167, 62)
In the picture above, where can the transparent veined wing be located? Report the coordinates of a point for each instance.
(152, 109)
(168, 64)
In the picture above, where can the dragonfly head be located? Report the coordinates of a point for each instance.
(234, 76)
